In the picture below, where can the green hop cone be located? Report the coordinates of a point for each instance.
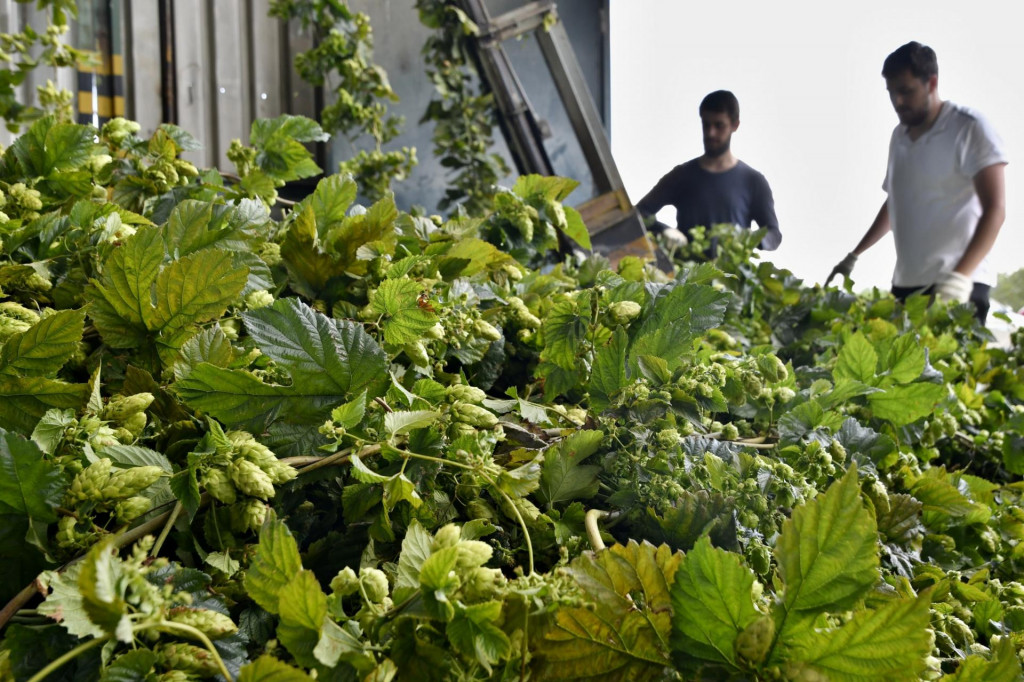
(730, 432)
(469, 394)
(760, 558)
(622, 312)
(219, 485)
(345, 583)
(130, 482)
(250, 479)
(473, 414)
(279, 472)
(480, 583)
(486, 330)
(257, 453)
(89, 483)
(555, 213)
(212, 624)
(417, 353)
(259, 299)
(667, 438)
(121, 407)
(753, 643)
(132, 508)
(135, 424)
(188, 658)
(173, 676)
(473, 553)
(248, 515)
(435, 333)
(772, 368)
(446, 536)
(374, 584)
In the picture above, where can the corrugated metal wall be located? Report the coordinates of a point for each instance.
(213, 66)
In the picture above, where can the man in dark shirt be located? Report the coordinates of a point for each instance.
(716, 187)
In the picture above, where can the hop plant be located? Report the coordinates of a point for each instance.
(250, 479)
(211, 623)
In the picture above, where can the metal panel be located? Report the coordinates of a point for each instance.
(268, 61)
(143, 77)
(232, 110)
(194, 79)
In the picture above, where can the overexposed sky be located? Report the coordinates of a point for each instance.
(815, 116)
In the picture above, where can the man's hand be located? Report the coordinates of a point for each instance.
(954, 287)
(674, 238)
(844, 268)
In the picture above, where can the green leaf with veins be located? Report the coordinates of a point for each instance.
(827, 551)
(563, 476)
(625, 635)
(328, 361)
(274, 566)
(402, 318)
(713, 603)
(302, 606)
(266, 668)
(906, 403)
(30, 485)
(886, 644)
(24, 400)
(857, 360)
(43, 348)
(474, 634)
(65, 603)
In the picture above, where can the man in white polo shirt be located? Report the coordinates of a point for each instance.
(945, 186)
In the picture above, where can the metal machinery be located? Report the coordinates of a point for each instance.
(615, 226)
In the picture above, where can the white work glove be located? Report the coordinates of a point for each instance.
(844, 268)
(954, 287)
(674, 238)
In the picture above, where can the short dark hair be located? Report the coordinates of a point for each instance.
(914, 57)
(719, 102)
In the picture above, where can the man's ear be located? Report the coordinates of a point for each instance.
(933, 83)
(735, 125)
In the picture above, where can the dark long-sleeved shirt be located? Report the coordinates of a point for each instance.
(739, 196)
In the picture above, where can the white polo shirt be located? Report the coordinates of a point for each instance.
(933, 208)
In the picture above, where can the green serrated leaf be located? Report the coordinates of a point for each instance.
(30, 485)
(350, 415)
(222, 562)
(343, 643)
(185, 487)
(713, 603)
(24, 400)
(827, 551)
(905, 359)
(397, 423)
(473, 633)
(415, 550)
(609, 374)
(65, 605)
(906, 403)
(565, 328)
(43, 349)
(302, 607)
(136, 456)
(266, 668)
(99, 583)
(328, 361)
(365, 474)
(275, 565)
(618, 639)
(49, 432)
(403, 320)
(398, 489)
(679, 317)
(563, 476)
(120, 301)
(438, 570)
(133, 666)
(857, 360)
(889, 643)
(576, 229)
(209, 345)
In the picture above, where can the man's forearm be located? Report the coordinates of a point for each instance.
(989, 224)
(771, 239)
(879, 228)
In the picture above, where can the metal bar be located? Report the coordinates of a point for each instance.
(515, 23)
(520, 123)
(583, 114)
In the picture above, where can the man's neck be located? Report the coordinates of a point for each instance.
(934, 109)
(718, 164)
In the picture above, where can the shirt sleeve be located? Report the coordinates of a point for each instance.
(763, 213)
(980, 148)
(659, 197)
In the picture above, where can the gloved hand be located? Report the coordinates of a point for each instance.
(844, 268)
(674, 238)
(954, 286)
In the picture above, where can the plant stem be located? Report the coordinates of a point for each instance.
(68, 656)
(201, 636)
(339, 457)
(167, 529)
(593, 532)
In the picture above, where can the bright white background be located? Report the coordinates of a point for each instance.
(815, 116)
